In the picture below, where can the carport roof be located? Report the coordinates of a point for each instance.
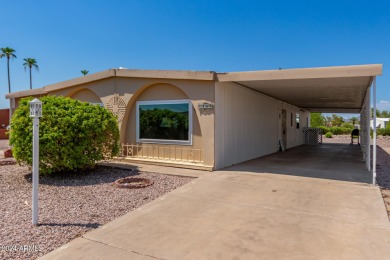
(327, 89)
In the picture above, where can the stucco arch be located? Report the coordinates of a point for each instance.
(85, 95)
(157, 91)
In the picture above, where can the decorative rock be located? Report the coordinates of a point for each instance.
(8, 153)
(133, 183)
(7, 162)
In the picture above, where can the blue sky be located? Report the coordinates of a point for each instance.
(68, 36)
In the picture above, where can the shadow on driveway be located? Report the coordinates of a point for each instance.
(326, 161)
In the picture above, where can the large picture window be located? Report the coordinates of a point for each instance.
(168, 122)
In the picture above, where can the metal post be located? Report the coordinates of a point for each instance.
(374, 136)
(35, 170)
(366, 128)
(35, 113)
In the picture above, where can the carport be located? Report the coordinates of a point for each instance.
(331, 161)
(343, 89)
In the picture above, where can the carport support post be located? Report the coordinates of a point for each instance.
(374, 135)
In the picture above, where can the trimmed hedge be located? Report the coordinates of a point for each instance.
(74, 135)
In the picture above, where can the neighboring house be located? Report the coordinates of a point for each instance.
(380, 122)
(4, 122)
(210, 120)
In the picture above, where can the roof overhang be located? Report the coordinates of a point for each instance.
(328, 89)
(155, 74)
(26, 93)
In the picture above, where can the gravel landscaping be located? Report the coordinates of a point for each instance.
(72, 205)
(69, 206)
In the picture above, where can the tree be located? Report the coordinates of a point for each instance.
(9, 54)
(316, 119)
(354, 120)
(74, 135)
(84, 72)
(384, 114)
(378, 113)
(337, 120)
(30, 63)
(328, 121)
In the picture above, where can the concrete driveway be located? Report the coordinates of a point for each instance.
(238, 215)
(334, 161)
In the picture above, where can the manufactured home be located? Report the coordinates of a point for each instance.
(380, 122)
(210, 120)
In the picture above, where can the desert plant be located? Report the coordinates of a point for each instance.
(84, 72)
(317, 120)
(9, 53)
(74, 135)
(383, 131)
(347, 125)
(30, 63)
(324, 129)
(329, 135)
(337, 120)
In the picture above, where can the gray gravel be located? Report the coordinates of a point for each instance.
(69, 206)
(3, 144)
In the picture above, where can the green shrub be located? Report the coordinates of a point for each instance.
(383, 131)
(348, 126)
(337, 130)
(74, 135)
(324, 129)
(329, 135)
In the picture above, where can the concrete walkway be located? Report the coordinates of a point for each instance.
(238, 215)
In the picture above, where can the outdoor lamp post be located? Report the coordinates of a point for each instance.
(35, 113)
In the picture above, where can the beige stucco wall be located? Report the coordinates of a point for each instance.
(103, 89)
(120, 95)
(243, 125)
(86, 95)
(162, 92)
(247, 124)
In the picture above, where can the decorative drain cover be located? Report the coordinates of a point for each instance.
(133, 183)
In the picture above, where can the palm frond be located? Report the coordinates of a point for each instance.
(30, 63)
(8, 52)
(84, 72)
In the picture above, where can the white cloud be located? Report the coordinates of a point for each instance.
(383, 105)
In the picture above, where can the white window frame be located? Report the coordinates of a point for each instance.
(297, 123)
(164, 102)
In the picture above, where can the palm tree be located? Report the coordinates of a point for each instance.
(354, 120)
(84, 72)
(9, 53)
(30, 63)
